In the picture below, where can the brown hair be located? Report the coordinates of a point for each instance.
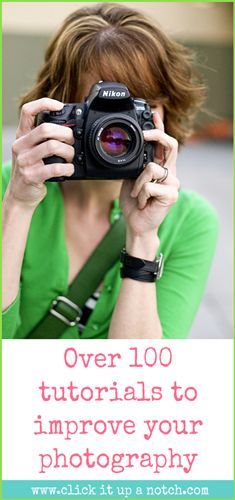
(120, 44)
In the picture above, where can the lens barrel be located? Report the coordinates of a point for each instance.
(117, 140)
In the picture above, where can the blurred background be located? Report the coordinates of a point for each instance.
(205, 164)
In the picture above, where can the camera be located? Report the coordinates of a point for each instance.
(108, 133)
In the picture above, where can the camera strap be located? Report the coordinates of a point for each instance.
(66, 310)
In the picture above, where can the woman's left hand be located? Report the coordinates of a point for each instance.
(145, 203)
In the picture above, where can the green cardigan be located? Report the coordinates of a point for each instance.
(187, 239)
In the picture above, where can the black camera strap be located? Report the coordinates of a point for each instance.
(66, 310)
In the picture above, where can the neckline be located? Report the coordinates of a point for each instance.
(115, 212)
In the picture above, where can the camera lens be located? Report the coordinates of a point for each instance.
(115, 141)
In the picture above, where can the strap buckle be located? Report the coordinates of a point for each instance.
(160, 266)
(71, 308)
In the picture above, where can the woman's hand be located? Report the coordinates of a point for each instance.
(32, 144)
(145, 203)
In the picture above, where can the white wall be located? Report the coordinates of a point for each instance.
(208, 22)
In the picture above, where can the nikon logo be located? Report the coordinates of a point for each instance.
(113, 93)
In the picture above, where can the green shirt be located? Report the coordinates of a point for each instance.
(187, 239)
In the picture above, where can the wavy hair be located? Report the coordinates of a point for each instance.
(117, 43)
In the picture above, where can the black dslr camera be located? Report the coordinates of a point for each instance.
(107, 129)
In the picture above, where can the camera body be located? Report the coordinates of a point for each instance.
(107, 129)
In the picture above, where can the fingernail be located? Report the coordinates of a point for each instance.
(60, 104)
(156, 114)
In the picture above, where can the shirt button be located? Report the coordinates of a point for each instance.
(109, 288)
(95, 327)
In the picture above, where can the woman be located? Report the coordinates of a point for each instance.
(50, 230)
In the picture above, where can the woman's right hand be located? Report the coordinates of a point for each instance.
(32, 144)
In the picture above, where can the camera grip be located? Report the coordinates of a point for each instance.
(54, 159)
